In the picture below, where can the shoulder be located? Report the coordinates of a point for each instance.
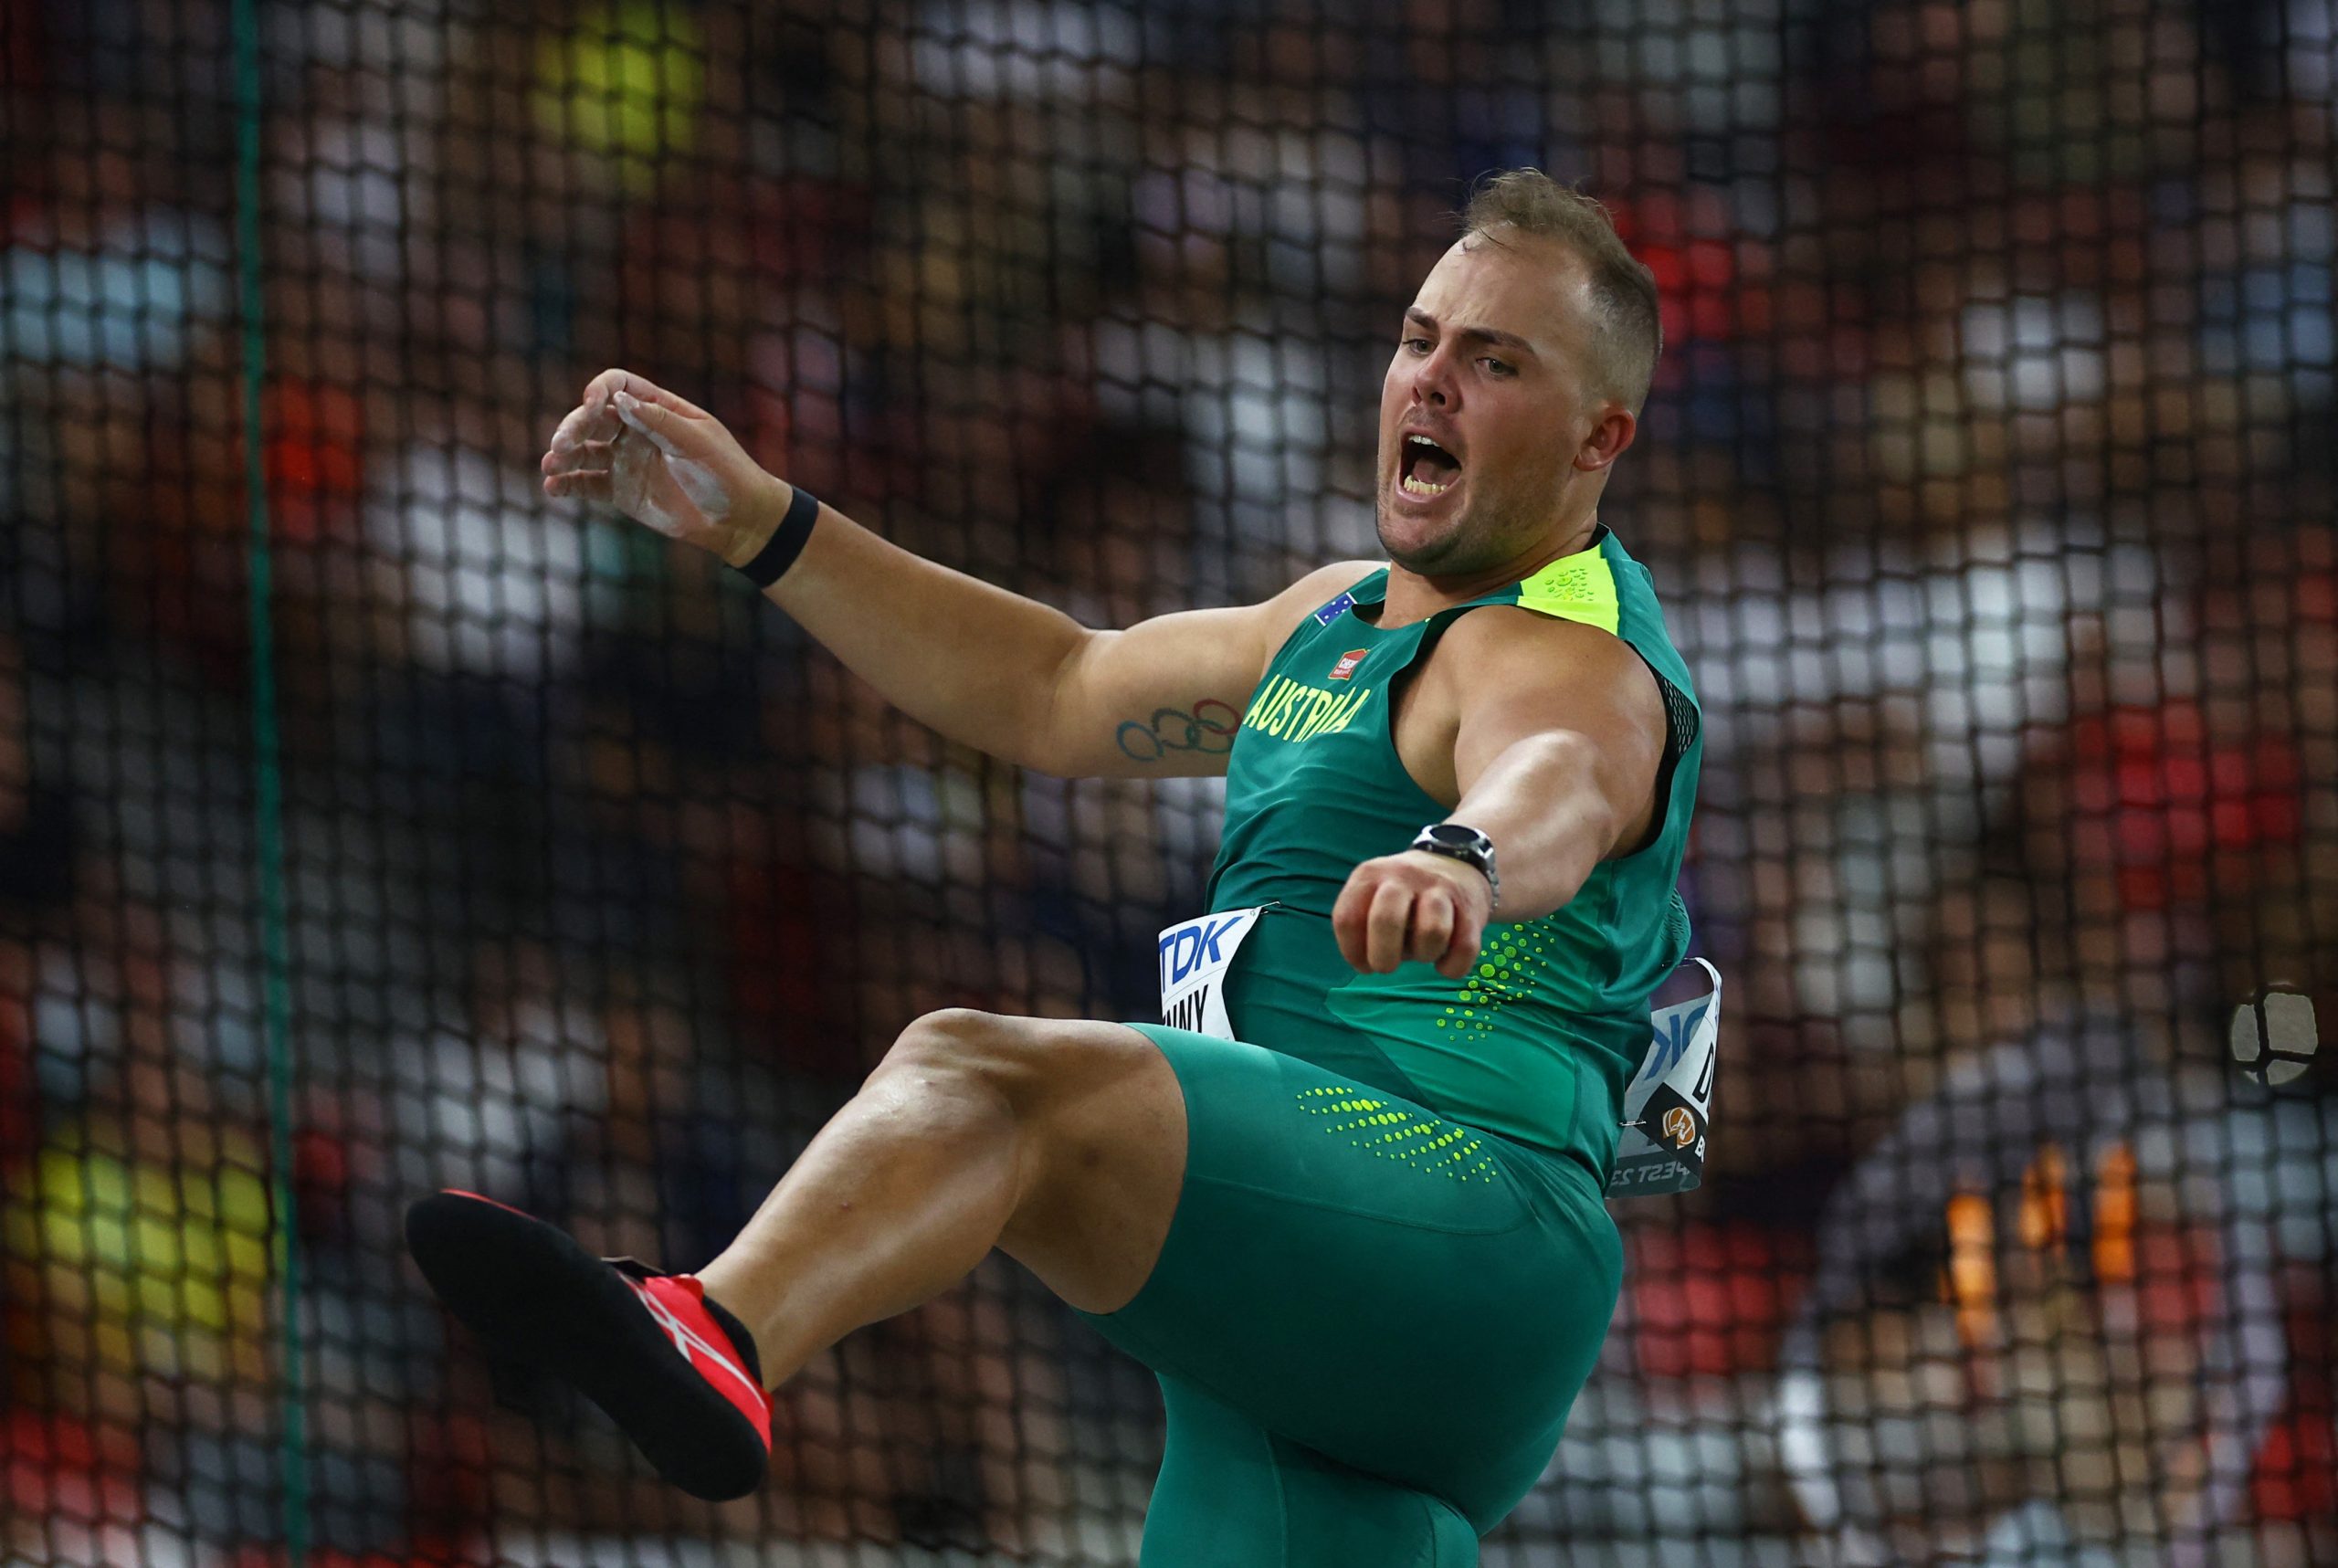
(1327, 583)
(1257, 632)
(1534, 655)
(1532, 637)
(1284, 612)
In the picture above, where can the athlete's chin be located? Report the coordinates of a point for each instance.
(1420, 537)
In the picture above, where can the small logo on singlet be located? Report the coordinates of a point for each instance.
(1336, 609)
(1348, 661)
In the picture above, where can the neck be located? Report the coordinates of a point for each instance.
(1415, 595)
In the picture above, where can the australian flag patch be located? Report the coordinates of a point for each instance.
(1336, 609)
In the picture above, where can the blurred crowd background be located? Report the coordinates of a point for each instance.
(1988, 482)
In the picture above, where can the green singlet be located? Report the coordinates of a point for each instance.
(1391, 1265)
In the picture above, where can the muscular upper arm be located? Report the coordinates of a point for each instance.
(1162, 698)
(1512, 675)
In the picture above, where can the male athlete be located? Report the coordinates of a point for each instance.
(1360, 1239)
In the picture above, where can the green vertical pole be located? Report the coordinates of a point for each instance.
(267, 793)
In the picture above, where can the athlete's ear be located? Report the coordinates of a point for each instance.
(1611, 437)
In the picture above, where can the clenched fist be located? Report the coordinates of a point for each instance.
(663, 460)
(1413, 907)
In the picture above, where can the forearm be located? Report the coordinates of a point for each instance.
(988, 668)
(1540, 803)
(976, 662)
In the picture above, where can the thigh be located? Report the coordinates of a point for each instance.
(1408, 1296)
(1233, 1494)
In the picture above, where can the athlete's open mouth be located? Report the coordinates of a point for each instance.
(1425, 468)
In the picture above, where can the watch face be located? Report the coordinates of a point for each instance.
(1458, 837)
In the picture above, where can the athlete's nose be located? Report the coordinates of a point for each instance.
(1432, 383)
(1433, 380)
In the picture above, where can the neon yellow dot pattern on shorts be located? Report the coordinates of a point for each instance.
(1496, 982)
(1389, 1131)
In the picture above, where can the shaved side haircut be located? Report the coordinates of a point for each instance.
(1629, 330)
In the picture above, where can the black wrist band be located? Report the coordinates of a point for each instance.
(787, 542)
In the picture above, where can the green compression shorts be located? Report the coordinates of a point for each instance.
(1369, 1321)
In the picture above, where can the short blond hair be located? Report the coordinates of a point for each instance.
(1628, 334)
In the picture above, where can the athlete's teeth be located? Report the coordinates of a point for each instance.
(1422, 487)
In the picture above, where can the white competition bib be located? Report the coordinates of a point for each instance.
(1668, 1106)
(1195, 957)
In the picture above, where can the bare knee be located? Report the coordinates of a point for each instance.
(957, 1054)
(954, 1039)
(1096, 1123)
(1031, 1067)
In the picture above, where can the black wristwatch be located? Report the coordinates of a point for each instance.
(1468, 845)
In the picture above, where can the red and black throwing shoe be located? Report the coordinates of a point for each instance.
(674, 1370)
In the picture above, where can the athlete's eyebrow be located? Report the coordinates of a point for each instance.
(1511, 341)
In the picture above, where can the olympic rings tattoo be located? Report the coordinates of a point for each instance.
(1175, 730)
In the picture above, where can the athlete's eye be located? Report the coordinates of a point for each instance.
(1418, 345)
(1498, 367)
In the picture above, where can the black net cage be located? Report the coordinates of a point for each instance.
(370, 823)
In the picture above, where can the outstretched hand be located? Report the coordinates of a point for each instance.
(661, 460)
(1413, 907)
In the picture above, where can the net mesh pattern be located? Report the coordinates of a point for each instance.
(1986, 482)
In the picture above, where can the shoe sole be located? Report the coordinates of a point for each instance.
(532, 1293)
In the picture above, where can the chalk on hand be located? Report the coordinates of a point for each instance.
(629, 410)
